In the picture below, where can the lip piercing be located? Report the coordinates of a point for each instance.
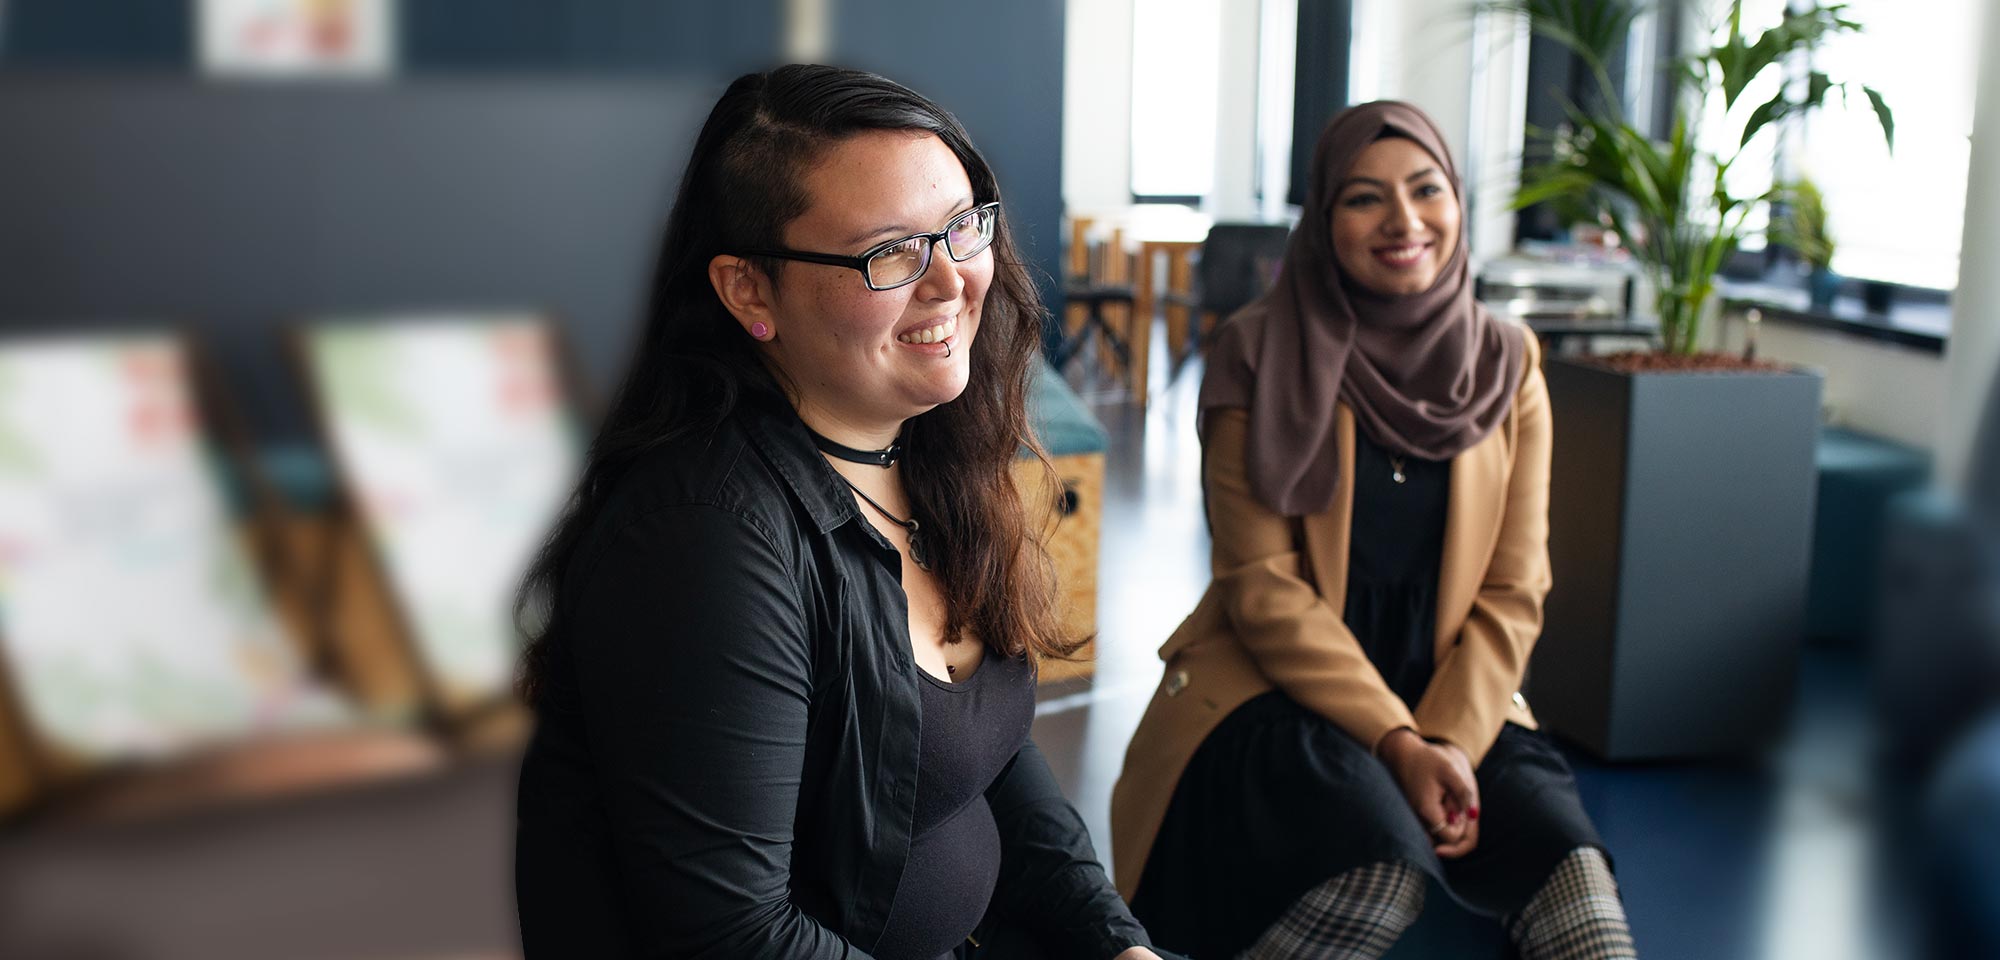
(947, 349)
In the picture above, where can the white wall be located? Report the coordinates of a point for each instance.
(1470, 74)
(1097, 104)
(1419, 51)
(1097, 107)
(1496, 123)
(1975, 327)
(1234, 196)
(1885, 389)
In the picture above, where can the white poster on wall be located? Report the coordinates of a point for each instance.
(454, 438)
(133, 620)
(298, 38)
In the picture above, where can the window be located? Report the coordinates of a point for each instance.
(1895, 218)
(1899, 217)
(1175, 69)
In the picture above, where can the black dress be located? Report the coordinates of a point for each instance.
(1278, 800)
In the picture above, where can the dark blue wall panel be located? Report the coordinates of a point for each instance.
(677, 36)
(999, 68)
(694, 37)
(142, 34)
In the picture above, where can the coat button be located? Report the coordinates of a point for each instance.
(1176, 682)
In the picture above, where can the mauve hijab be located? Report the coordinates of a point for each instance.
(1428, 375)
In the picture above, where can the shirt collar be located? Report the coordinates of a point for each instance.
(778, 432)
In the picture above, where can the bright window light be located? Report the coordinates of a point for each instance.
(1175, 68)
(1899, 217)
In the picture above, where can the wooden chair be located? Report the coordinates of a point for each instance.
(1098, 299)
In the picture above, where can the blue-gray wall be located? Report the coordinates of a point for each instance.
(526, 157)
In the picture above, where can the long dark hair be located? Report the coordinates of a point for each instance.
(743, 185)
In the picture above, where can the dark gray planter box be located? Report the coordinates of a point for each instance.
(1681, 518)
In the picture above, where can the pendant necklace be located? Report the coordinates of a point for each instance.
(884, 458)
(918, 555)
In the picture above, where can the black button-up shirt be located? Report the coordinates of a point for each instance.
(726, 758)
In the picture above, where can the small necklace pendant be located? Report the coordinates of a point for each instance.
(1396, 470)
(918, 555)
(1398, 476)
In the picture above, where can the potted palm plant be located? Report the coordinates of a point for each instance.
(1683, 481)
(1800, 226)
(1672, 199)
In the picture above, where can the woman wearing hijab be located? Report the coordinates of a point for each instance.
(1339, 721)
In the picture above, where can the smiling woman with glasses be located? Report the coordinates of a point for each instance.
(784, 641)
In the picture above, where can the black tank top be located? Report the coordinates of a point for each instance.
(970, 731)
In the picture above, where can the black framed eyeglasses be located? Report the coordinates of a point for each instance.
(887, 266)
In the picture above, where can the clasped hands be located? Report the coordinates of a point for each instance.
(1437, 781)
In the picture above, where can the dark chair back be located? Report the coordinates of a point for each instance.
(1239, 261)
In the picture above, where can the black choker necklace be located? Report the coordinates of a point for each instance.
(885, 458)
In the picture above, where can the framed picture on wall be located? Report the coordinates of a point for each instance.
(297, 38)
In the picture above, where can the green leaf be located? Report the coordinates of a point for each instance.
(1882, 114)
(1772, 109)
(1543, 185)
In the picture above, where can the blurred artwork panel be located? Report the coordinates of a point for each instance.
(133, 620)
(457, 446)
(298, 38)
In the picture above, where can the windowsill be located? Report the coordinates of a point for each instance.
(1918, 325)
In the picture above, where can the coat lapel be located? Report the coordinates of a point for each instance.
(1478, 500)
(1327, 532)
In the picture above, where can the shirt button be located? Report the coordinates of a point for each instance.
(1176, 682)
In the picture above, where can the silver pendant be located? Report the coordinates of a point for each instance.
(918, 555)
(1398, 476)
